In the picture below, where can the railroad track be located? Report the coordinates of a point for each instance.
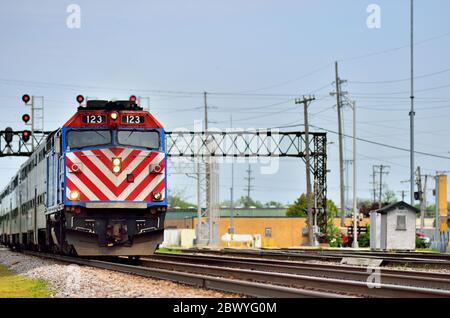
(388, 276)
(265, 278)
(398, 254)
(231, 285)
(337, 279)
(391, 259)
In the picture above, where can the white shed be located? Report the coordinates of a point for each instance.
(393, 227)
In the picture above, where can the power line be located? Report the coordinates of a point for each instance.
(403, 79)
(289, 81)
(393, 49)
(369, 141)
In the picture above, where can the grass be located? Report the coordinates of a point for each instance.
(168, 250)
(425, 250)
(17, 286)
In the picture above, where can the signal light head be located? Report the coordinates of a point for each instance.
(26, 118)
(8, 135)
(133, 99)
(26, 98)
(26, 135)
(80, 99)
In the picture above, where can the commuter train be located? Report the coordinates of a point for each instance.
(96, 186)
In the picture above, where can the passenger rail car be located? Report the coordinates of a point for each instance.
(96, 186)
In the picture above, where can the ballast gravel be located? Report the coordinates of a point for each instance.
(70, 280)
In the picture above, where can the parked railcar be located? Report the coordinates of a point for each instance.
(96, 186)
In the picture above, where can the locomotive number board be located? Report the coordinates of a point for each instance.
(133, 119)
(93, 119)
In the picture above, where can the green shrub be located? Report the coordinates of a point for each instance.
(335, 241)
(364, 239)
(420, 243)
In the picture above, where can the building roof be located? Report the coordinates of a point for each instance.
(192, 213)
(395, 205)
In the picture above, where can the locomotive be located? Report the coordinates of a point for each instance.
(94, 187)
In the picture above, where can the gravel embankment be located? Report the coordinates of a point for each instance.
(69, 280)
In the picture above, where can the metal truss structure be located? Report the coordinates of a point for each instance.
(18, 147)
(255, 144)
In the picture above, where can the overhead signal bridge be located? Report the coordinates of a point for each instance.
(247, 144)
(18, 143)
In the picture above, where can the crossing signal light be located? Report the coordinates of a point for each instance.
(26, 98)
(26, 135)
(26, 118)
(8, 135)
(418, 196)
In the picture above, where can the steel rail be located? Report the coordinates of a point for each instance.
(331, 257)
(334, 285)
(399, 254)
(230, 285)
(431, 280)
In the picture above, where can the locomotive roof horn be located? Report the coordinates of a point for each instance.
(110, 105)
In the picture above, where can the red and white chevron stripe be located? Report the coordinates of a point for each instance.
(95, 180)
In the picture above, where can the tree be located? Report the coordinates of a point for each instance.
(332, 208)
(249, 202)
(298, 208)
(176, 199)
(272, 204)
(389, 197)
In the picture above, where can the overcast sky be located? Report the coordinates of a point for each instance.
(264, 52)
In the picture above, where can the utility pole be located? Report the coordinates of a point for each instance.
(339, 94)
(374, 184)
(347, 183)
(249, 182)
(306, 101)
(412, 113)
(381, 171)
(355, 196)
(403, 194)
(231, 229)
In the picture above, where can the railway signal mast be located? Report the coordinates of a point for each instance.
(37, 120)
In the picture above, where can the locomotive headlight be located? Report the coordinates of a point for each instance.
(116, 165)
(114, 115)
(157, 196)
(74, 195)
(116, 162)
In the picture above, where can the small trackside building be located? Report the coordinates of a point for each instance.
(393, 227)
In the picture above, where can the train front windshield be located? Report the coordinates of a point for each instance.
(78, 139)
